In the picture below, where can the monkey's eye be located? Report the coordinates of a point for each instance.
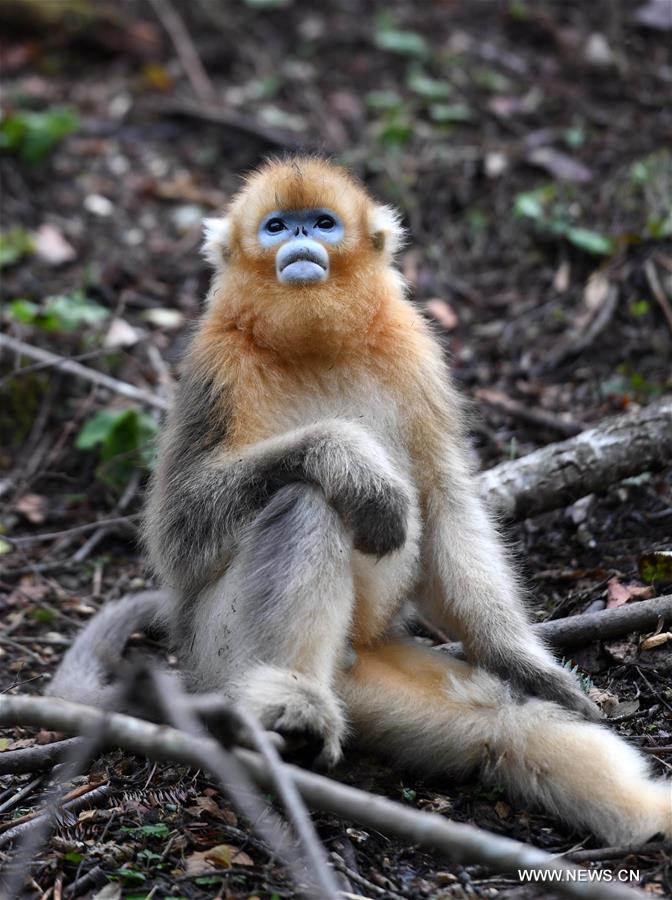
(325, 223)
(275, 226)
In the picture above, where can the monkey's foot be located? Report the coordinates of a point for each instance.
(307, 714)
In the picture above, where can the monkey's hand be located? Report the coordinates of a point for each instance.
(299, 708)
(358, 478)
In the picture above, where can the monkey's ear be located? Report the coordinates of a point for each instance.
(216, 240)
(385, 228)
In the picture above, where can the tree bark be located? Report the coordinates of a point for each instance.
(561, 473)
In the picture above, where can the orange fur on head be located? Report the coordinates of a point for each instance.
(309, 319)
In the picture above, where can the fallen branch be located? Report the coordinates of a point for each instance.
(603, 626)
(186, 51)
(535, 416)
(608, 623)
(657, 291)
(430, 830)
(84, 372)
(226, 118)
(561, 473)
(604, 854)
(34, 759)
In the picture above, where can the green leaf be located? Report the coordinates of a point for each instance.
(68, 313)
(656, 566)
(446, 113)
(73, 857)
(33, 135)
(590, 241)
(640, 307)
(130, 874)
(405, 43)
(409, 795)
(96, 430)
(24, 311)
(14, 244)
(528, 206)
(160, 830)
(384, 100)
(429, 88)
(124, 440)
(40, 614)
(267, 4)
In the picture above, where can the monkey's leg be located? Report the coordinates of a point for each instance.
(273, 629)
(443, 715)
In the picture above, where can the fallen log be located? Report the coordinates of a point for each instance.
(603, 626)
(557, 475)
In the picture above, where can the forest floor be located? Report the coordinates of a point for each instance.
(528, 146)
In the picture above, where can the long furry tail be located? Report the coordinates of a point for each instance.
(87, 671)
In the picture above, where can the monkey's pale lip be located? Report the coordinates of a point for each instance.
(302, 256)
(303, 266)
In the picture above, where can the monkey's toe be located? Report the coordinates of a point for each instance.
(561, 686)
(303, 711)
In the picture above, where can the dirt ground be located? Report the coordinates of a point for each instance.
(528, 145)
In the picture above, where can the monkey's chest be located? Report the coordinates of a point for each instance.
(382, 585)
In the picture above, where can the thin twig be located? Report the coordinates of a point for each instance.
(115, 522)
(456, 840)
(122, 388)
(21, 793)
(294, 806)
(657, 290)
(36, 832)
(233, 777)
(535, 416)
(28, 823)
(38, 367)
(186, 51)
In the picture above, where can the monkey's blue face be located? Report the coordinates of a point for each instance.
(300, 236)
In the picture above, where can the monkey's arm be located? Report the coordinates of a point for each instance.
(203, 493)
(470, 586)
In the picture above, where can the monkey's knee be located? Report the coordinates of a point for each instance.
(297, 515)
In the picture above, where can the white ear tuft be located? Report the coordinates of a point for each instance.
(216, 234)
(386, 230)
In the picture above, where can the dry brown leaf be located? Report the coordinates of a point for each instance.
(656, 640)
(559, 165)
(656, 14)
(223, 856)
(502, 809)
(86, 815)
(52, 247)
(607, 701)
(21, 744)
(444, 314)
(596, 291)
(33, 507)
(619, 594)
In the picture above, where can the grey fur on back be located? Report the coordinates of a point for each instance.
(86, 673)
